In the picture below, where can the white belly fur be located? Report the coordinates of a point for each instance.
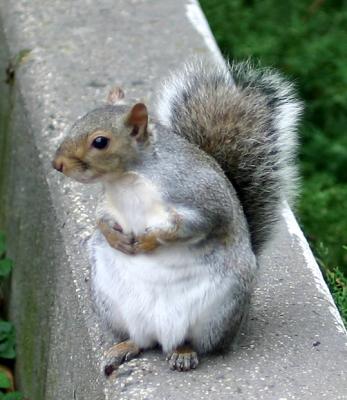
(158, 297)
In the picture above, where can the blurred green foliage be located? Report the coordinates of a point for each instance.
(7, 335)
(5, 263)
(307, 41)
(7, 332)
(11, 396)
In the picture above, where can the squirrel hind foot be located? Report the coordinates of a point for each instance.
(118, 354)
(183, 358)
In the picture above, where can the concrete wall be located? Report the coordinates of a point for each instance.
(294, 346)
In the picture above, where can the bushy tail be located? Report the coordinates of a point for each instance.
(246, 118)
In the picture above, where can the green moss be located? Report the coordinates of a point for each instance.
(5, 115)
(27, 332)
(32, 346)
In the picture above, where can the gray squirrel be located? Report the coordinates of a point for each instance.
(191, 198)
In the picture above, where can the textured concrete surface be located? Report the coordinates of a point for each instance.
(293, 347)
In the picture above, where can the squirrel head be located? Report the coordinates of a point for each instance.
(104, 143)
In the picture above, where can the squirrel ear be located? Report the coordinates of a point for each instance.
(138, 120)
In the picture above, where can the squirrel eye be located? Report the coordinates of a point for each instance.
(100, 142)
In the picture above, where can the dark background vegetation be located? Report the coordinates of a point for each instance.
(307, 41)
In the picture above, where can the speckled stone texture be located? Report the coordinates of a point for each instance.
(293, 346)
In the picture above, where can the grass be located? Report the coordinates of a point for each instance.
(338, 284)
(306, 40)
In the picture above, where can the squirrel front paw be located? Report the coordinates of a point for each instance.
(155, 237)
(146, 242)
(130, 244)
(116, 238)
(127, 243)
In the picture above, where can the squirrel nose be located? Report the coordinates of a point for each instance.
(58, 165)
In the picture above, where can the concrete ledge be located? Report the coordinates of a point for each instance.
(294, 346)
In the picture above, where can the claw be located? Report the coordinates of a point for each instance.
(172, 360)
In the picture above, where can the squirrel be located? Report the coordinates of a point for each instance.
(192, 196)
